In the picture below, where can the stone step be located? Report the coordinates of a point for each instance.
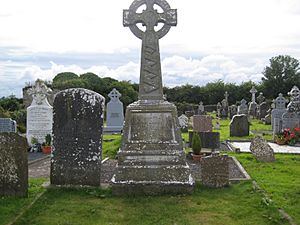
(153, 173)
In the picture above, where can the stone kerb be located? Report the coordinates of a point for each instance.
(77, 139)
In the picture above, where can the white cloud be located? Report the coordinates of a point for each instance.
(176, 70)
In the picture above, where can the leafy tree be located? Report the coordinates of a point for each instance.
(281, 75)
(62, 77)
(10, 103)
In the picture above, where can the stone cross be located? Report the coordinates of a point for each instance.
(261, 98)
(226, 95)
(150, 87)
(114, 95)
(253, 91)
(280, 102)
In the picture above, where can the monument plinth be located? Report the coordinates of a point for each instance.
(151, 159)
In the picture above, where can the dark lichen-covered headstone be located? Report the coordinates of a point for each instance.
(215, 171)
(208, 139)
(239, 126)
(77, 141)
(13, 165)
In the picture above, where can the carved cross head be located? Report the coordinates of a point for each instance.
(150, 17)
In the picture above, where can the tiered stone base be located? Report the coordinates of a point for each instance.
(151, 160)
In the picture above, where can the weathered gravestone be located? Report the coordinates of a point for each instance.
(13, 165)
(215, 171)
(8, 125)
(233, 109)
(263, 110)
(243, 108)
(183, 122)
(239, 126)
(276, 114)
(262, 150)
(114, 113)
(39, 113)
(201, 110)
(219, 109)
(151, 158)
(202, 123)
(77, 138)
(253, 104)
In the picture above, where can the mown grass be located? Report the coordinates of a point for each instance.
(111, 145)
(281, 180)
(10, 207)
(238, 204)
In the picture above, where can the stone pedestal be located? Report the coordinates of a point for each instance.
(151, 160)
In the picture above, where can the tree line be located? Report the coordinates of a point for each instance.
(279, 76)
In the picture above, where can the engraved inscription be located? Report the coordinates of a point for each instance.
(154, 126)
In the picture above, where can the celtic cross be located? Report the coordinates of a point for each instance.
(150, 87)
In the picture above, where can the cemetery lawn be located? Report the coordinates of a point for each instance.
(111, 145)
(10, 207)
(237, 204)
(255, 125)
(281, 180)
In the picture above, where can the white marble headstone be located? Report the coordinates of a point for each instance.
(39, 113)
(114, 112)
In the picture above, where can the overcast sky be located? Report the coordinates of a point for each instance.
(231, 40)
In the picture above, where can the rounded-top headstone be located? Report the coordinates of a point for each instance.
(77, 137)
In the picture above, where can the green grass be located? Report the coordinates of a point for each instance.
(238, 204)
(10, 207)
(281, 180)
(110, 148)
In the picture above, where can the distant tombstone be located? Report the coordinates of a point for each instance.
(232, 111)
(13, 165)
(183, 122)
(39, 113)
(294, 105)
(243, 108)
(268, 118)
(201, 110)
(114, 112)
(277, 112)
(260, 98)
(290, 120)
(239, 126)
(8, 125)
(189, 113)
(224, 113)
(77, 138)
(262, 150)
(215, 171)
(219, 108)
(253, 104)
(209, 140)
(202, 123)
(263, 110)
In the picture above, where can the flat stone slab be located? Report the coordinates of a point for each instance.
(245, 147)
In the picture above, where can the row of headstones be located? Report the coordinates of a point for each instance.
(289, 117)
(77, 153)
(40, 113)
(77, 145)
(202, 124)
